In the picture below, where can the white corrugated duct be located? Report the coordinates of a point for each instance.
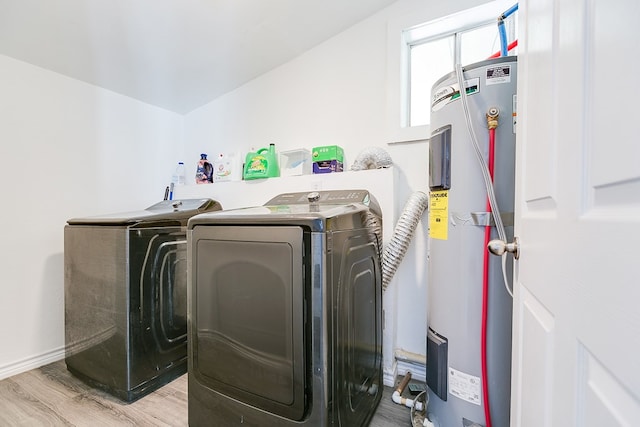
(395, 250)
(372, 158)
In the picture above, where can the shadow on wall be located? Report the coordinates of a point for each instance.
(411, 279)
(49, 331)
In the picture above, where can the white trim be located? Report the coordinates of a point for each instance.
(389, 375)
(418, 370)
(32, 362)
(404, 362)
(397, 81)
(411, 362)
(479, 15)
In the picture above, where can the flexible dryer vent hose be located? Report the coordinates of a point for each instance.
(372, 158)
(395, 250)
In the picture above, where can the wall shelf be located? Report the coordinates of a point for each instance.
(236, 194)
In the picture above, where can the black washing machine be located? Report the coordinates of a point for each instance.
(126, 297)
(285, 312)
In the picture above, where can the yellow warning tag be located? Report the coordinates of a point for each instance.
(439, 214)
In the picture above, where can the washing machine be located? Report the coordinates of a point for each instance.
(285, 312)
(125, 285)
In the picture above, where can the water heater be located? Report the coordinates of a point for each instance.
(469, 306)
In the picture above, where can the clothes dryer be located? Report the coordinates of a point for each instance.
(126, 297)
(285, 309)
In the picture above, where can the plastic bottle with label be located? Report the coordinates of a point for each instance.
(178, 177)
(225, 168)
(261, 164)
(204, 171)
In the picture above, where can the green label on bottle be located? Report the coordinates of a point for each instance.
(257, 166)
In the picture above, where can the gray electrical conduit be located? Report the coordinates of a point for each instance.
(485, 174)
(483, 164)
(395, 250)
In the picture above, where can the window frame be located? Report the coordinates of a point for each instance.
(417, 28)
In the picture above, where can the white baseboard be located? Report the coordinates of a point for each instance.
(401, 365)
(390, 374)
(411, 362)
(30, 363)
(418, 370)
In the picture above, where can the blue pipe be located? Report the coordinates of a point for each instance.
(504, 51)
(503, 38)
(509, 11)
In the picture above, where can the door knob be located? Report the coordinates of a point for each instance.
(498, 247)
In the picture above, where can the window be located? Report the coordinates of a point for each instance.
(430, 50)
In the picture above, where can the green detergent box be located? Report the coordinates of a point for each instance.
(327, 159)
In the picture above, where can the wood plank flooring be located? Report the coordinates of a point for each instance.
(51, 396)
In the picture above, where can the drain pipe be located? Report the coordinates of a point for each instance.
(397, 398)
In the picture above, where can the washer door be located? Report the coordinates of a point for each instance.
(248, 313)
(163, 287)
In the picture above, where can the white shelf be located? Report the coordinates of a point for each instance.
(237, 194)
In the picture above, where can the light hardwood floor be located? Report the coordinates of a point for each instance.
(51, 396)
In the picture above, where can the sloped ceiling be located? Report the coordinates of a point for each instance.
(174, 54)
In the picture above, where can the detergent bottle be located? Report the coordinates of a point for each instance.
(262, 164)
(225, 168)
(204, 171)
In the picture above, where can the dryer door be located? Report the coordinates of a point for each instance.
(248, 313)
(357, 287)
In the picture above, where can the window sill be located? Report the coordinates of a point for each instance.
(409, 134)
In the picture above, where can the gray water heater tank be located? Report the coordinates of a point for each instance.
(458, 215)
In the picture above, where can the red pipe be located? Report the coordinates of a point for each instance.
(485, 288)
(510, 47)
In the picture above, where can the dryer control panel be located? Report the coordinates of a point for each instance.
(334, 197)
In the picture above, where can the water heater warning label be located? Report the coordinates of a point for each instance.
(439, 214)
(498, 75)
(465, 386)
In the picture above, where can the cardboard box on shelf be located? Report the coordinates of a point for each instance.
(327, 159)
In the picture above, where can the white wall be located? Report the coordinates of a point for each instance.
(68, 149)
(335, 93)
